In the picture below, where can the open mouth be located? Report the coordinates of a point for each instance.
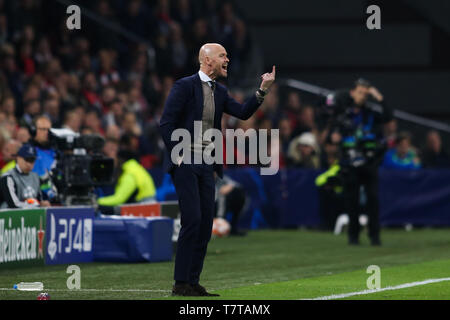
(225, 67)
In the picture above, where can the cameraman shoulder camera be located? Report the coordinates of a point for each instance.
(361, 150)
(46, 153)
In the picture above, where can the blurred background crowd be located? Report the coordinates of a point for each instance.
(99, 80)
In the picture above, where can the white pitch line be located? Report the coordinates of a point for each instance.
(401, 286)
(92, 290)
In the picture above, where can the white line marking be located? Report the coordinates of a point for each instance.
(401, 286)
(92, 290)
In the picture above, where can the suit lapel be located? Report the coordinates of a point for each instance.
(198, 94)
(217, 107)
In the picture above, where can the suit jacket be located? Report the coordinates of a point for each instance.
(184, 105)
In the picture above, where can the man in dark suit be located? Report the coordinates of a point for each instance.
(199, 98)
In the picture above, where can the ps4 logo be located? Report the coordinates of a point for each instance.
(69, 235)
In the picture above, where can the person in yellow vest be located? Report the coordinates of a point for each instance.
(330, 192)
(134, 184)
(9, 153)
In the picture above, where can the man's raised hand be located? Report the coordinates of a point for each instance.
(267, 79)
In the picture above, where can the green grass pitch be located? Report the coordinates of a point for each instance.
(267, 265)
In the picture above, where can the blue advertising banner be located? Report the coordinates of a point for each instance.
(69, 235)
(290, 198)
(418, 197)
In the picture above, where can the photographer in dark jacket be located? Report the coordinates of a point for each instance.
(361, 151)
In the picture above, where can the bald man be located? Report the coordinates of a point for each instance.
(200, 98)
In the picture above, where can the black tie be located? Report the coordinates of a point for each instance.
(213, 85)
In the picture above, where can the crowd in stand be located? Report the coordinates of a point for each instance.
(95, 81)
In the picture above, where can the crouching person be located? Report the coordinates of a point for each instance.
(20, 187)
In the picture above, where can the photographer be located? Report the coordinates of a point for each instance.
(361, 151)
(20, 187)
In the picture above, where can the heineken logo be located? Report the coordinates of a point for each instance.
(19, 241)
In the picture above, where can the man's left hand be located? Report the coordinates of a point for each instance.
(267, 80)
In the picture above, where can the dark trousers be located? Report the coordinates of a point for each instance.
(234, 203)
(195, 189)
(330, 206)
(355, 178)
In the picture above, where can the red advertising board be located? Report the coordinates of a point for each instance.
(141, 210)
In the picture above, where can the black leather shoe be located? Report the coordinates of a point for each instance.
(202, 291)
(184, 290)
(353, 242)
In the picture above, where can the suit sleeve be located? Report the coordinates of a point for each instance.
(173, 110)
(241, 111)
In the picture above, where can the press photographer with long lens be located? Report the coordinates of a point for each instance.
(361, 151)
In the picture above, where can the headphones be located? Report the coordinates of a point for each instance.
(32, 127)
(32, 130)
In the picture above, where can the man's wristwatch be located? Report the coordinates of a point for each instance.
(261, 92)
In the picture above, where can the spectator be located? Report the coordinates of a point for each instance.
(293, 108)
(26, 60)
(9, 152)
(303, 152)
(136, 100)
(390, 133)
(51, 110)
(305, 121)
(111, 149)
(9, 107)
(330, 151)
(270, 107)
(72, 121)
(43, 53)
(403, 156)
(285, 134)
(93, 122)
(434, 156)
(108, 74)
(115, 114)
(23, 134)
(130, 125)
(89, 91)
(108, 95)
(113, 132)
(32, 109)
